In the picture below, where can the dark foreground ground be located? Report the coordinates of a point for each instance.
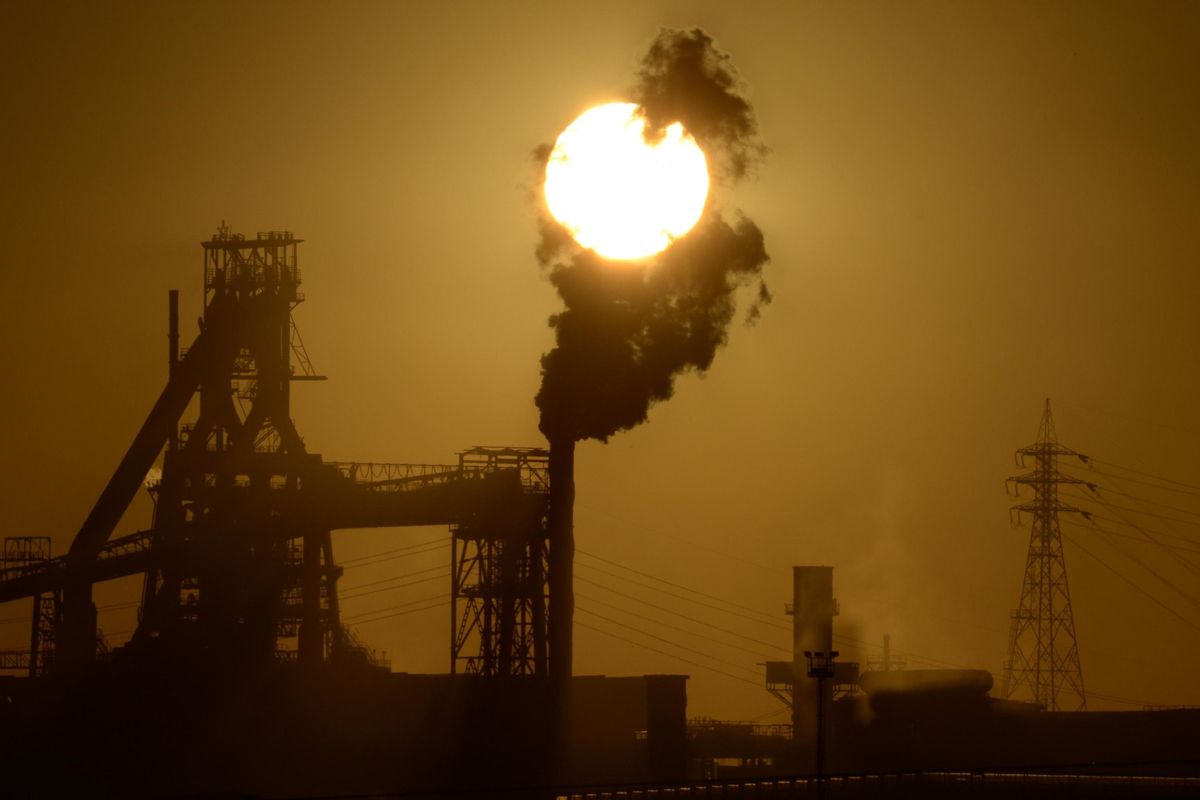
(926, 786)
(143, 728)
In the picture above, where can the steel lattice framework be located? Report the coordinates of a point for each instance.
(238, 566)
(1043, 655)
(22, 553)
(500, 590)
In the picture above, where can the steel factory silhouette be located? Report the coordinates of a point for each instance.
(242, 676)
(245, 677)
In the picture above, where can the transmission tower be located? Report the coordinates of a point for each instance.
(1043, 656)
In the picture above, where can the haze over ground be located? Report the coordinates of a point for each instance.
(968, 208)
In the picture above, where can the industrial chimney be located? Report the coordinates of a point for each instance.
(562, 556)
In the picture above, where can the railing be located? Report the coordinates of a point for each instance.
(22, 550)
(371, 472)
(125, 546)
(14, 660)
(532, 463)
(703, 727)
(911, 784)
(406, 477)
(400, 477)
(250, 274)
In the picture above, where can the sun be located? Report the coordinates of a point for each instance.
(619, 195)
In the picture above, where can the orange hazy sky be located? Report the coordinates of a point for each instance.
(969, 207)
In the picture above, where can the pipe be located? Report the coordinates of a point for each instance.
(562, 556)
(172, 351)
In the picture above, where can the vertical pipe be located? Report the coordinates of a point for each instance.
(172, 353)
(560, 585)
(75, 635)
(820, 734)
(812, 630)
(537, 582)
(562, 557)
(487, 582)
(507, 583)
(34, 637)
(454, 602)
(311, 645)
(330, 573)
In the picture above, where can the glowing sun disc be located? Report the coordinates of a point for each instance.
(618, 195)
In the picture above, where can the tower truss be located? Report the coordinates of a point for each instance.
(244, 585)
(238, 567)
(1043, 655)
(500, 591)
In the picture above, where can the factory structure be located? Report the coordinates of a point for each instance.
(242, 676)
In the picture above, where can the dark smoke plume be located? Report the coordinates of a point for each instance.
(627, 332)
(684, 78)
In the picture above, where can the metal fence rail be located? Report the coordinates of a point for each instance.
(917, 785)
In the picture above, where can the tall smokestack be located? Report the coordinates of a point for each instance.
(562, 556)
(626, 332)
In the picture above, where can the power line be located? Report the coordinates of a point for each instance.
(1127, 523)
(668, 655)
(399, 555)
(443, 576)
(669, 583)
(1147, 534)
(857, 643)
(1166, 582)
(684, 616)
(1141, 539)
(777, 711)
(1187, 563)
(1138, 498)
(439, 542)
(673, 627)
(1151, 503)
(693, 600)
(1117, 698)
(1144, 474)
(905, 607)
(403, 613)
(380, 610)
(863, 645)
(1155, 514)
(1128, 479)
(393, 578)
(109, 607)
(690, 542)
(119, 606)
(1132, 583)
(677, 596)
(701, 653)
(414, 546)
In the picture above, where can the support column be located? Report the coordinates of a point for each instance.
(813, 609)
(311, 645)
(562, 557)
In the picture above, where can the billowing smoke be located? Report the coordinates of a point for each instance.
(627, 332)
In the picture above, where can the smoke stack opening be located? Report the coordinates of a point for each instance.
(628, 330)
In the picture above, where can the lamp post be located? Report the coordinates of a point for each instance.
(820, 666)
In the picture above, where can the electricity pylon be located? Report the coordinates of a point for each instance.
(1043, 656)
